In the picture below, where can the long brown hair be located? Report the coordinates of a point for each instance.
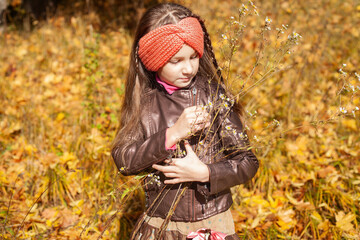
(139, 79)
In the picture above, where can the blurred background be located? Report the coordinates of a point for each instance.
(294, 65)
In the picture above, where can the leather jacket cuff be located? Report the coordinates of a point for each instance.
(142, 154)
(228, 173)
(204, 187)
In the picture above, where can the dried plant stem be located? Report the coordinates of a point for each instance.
(267, 75)
(37, 199)
(171, 211)
(213, 137)
(211, 124)
(208, 132)
(141, 221)
(8, 208)
(112, 216)
(108, 224)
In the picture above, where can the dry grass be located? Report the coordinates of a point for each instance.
(60, 89)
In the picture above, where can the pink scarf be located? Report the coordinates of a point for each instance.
(169, 88)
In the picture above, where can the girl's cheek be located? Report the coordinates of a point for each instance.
(196, 67)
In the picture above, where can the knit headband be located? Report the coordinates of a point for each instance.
(159, 45)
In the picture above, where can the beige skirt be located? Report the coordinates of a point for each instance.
(222, 222)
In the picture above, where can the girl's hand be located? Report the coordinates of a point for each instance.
(191, 120)
(187, 169)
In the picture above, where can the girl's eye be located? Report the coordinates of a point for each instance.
(195, 56)
(173, 61)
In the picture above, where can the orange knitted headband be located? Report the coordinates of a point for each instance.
(159, 45)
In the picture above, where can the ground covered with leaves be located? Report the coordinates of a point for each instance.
(294, 66)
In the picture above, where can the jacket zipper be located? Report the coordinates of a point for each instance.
(194, 91)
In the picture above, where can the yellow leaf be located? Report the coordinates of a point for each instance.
(256, 222)
(258, 124)
(3, 177)
(350, 123)
(259, 201)
(356, 101)
(273, 204)
(49, 93)
(49, 78)
(316, 216)
(77, 203)
(39, 226)
(67, 157)
(14, 127)
(324, 226)
(300, 205)
(49, 223)
(286, 219)
(96, 136)
(30, 149)
(60, 117)
(21, 52)
(344, 221)
(299, 147)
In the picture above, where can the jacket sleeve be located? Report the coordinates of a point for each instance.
(240, 164)
(140, 154)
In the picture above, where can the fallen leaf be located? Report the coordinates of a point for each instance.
(322, 173)
(343, 221)
(49, 213)
(68, 218)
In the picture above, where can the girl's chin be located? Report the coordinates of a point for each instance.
(182, 85)
(185, 81)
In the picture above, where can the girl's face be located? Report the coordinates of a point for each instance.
(181, 68)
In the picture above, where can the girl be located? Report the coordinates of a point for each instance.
(178, 123)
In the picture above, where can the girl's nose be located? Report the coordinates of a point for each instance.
(188, 68)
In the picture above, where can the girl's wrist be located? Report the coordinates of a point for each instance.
(205, 176)
(171, 137)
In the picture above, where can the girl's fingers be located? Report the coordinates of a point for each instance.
(201, 118)
(172, 181)
(195, 109)
(188, 147)
(201, 113)
(171, 175)
(171, 161)
(164, 169)
(201, 124)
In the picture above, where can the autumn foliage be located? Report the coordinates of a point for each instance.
(294, 65)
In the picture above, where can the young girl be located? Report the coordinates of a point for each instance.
(178, 122)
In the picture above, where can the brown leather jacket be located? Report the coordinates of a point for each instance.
(224, 150)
